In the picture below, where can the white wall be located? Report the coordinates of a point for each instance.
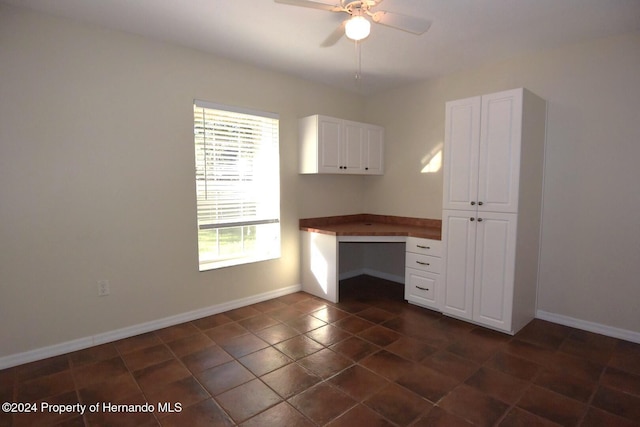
(97, 178)
(590, 260)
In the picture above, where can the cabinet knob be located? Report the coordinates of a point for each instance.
(473, 203)
(479, 219)
(472, 219)
(366, 168)
(480, 203)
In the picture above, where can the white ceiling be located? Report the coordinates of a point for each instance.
(464, 33)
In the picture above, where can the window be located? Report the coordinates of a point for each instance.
(237, 185)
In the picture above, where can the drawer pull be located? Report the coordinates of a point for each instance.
(422, 289)
(422, 263)
(423, 247)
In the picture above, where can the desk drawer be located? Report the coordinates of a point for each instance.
(423, 262)
(424, 246)
(421, 287)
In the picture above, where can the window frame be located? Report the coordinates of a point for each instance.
(261, 226)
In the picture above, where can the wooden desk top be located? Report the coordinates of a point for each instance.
(374, 225)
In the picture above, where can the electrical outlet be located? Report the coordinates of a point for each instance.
(103, 288)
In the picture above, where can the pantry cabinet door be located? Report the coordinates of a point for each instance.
(461, 151)
(459, 240)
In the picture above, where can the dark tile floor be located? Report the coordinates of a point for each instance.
(371, 360)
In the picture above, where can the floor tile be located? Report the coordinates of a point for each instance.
(397, 404)
(355, 348)
(299, 347)
(325, 363)
(474, 406)
(358, 382)
(147, 356)
(283, 414)
(204, 414)
(93, 355)
(225, 332)
(499, 385)
(277, 333)
(224, 377)
(290, 380)
(322, 403)
(513, 365)
(44, 386)
(241, 313)
(190, 344)
(353, 324)
(379, 335)
(410, 348)
(328, 335)
(211, 322)
(438, 417)
(175, 332)
(184, 392)
(243, 345)
(156, 376)
(137, 342)
(115, 388)
(566, 384)
(330, 314)
(99, 371)
(387, 364)
(264, 361)
(375, 315)
(305, 323)
(551, 405)
(427, 383)
(247, 400)
(206, 358)
(258, 322)
(360, 416)
(451, 365)
(520, 418)
(618, 402)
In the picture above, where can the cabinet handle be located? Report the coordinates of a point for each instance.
(422, 263)
(423, 247)
(422, 289)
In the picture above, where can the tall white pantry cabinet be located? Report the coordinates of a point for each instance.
(493, 176)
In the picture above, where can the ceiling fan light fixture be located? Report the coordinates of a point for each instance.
(357, 28)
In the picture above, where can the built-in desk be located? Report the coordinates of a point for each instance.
(321, 238)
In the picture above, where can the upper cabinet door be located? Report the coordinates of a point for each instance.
(329, 145)
(499, 162)
(373, 150)
(352, 148)
(461, 152)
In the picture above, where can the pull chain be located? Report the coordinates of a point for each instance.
(358, 75)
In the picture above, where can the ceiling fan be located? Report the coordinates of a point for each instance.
(357, 27)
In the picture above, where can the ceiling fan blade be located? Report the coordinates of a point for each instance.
(334, 7)
(407, 23)
(335, 36)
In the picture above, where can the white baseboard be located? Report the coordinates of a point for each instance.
(141, 328)
(586, 325)
(371, 272)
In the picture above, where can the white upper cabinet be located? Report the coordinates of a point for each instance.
(482, 152)
(334, 146)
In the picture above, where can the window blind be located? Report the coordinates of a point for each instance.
(237, 176)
